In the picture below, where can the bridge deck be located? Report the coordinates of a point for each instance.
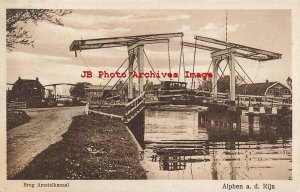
(128, 111)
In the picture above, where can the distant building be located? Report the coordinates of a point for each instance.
(267, 88)
(150, 87)
(122, 89)
(27, 90)
(96, 92)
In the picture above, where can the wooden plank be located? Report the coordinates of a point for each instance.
(106, 114)
(140, 103)
(131, 102)
(127, 120)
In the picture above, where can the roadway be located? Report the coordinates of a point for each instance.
(28, 140)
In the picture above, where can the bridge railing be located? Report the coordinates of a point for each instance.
(247, 100)
(250, 100)
(134, 107)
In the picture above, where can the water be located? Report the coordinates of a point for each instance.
(177, 147)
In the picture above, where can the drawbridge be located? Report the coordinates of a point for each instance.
(219, 51)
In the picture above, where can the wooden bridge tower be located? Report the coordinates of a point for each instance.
(229, 52)
(135, 46)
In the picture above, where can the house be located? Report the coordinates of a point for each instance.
(27, 90)
(267, 88)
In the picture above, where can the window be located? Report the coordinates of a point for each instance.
(286, 91)
(271, 91)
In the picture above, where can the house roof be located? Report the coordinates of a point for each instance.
(99, 88)
(28, 82)
(254, 89)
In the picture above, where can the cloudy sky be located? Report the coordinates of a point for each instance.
(52, 62)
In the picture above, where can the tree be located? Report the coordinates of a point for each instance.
(223, 84)
(289, 81)
(78, 89)
(16, 19)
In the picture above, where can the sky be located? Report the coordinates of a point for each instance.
(52, 62)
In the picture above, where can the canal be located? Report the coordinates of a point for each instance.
(178, 145)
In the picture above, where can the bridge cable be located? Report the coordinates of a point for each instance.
(151, 65)
(224, 69)
(244, 71)
(85, 64)
(214, 87)
(117, 82)
(83, 61)
(209, 66)
(169, 59)
(96, 75)
(222, 72)
(135, 59)
(183, 60)
(258, 69)
(133, 70)
(116, 71)
(241, 77)
(226, 27)
(195, 51)
(217, 81)
(180, 57)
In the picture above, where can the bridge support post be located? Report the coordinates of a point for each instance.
(131, 57)
(232, 75)
(215, 62)
(217, 57)
(141, 67)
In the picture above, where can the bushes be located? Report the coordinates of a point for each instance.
(16, 118)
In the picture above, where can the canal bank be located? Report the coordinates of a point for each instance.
(94, 147)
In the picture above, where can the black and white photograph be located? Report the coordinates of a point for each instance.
(97, 96)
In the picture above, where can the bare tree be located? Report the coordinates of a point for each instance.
(289, 81)
(16, 19)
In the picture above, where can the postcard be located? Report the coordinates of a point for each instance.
(149, 96)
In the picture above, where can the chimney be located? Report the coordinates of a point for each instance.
(267, 81)
(37, 78)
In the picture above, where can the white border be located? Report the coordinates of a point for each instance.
(155, 185)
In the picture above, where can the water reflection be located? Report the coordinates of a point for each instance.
(196, 145)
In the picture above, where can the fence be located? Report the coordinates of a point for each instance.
(16, 105)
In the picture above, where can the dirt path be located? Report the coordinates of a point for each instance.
(45, 128)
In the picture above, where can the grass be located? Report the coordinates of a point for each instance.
(94, 147)
(16, 118)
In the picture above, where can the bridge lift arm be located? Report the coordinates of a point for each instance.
(250, 52)
(121, 41)
(253, 56)
(135, 45)
(229, 51)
